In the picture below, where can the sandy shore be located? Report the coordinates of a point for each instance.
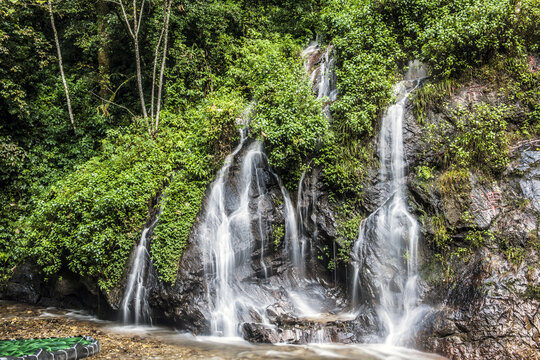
(24, 321)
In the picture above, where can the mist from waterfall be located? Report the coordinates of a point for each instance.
(385, 255)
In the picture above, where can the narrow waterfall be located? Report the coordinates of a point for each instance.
(228, 243)
(385, 256)
(302, 209)
(319, 64)
(292, 237)
(134, 305)
(306, 208)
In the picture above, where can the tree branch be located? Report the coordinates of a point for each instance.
(155, 67)
(160, 86)
(59, 52)
(113, 103)
(140, 17)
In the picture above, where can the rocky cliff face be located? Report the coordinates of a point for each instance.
(487, 305)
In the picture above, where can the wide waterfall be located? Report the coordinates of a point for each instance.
(228, 242)
(243, 290)
(385, 256)
(134, 305)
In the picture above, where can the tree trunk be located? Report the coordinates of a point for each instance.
(104, 63)
(154, 69)
(163, 61)
(139, 76)
(61, 66)
(134, 32)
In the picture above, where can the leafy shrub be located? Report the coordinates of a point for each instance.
(181, 204)
(285, 112)
(89, 221)
(474, 137)
(199, 141)
(367, 52)
(463, 34)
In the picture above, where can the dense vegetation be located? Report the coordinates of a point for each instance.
(76, 200)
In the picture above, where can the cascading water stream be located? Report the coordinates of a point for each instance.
(320, 64)
(228, 242)
(134, 305)
(385, 255)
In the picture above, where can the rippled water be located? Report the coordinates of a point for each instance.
(236, 348)
(210, 347)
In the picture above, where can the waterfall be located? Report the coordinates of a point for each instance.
(319, 64)
(385, 255)
(134, 305)
(302, 209)
(292, 237)
(228, 242)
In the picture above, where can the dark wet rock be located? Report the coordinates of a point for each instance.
(298, 331)
(530, 183)
(183, 304)
(66, 291)
(259, 333)
(412, 139)
(25, 285)
(277, 312)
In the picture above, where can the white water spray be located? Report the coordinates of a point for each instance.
(319, 64)
(135, 302)
(385, 255)
(227, 243)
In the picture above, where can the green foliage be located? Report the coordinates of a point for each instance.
(532, 292)
(278, 233)
(479, 238)
(441, 238)
(367, 53)
(455, 182)
(431, 95)
(425, 173)
(482, 140)
(515, 255)
(198, 142)
(285, 112)
(181, 204)
(348, 221)
(89, 221)
(476, 138)
(459, 35)
(345, 166)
